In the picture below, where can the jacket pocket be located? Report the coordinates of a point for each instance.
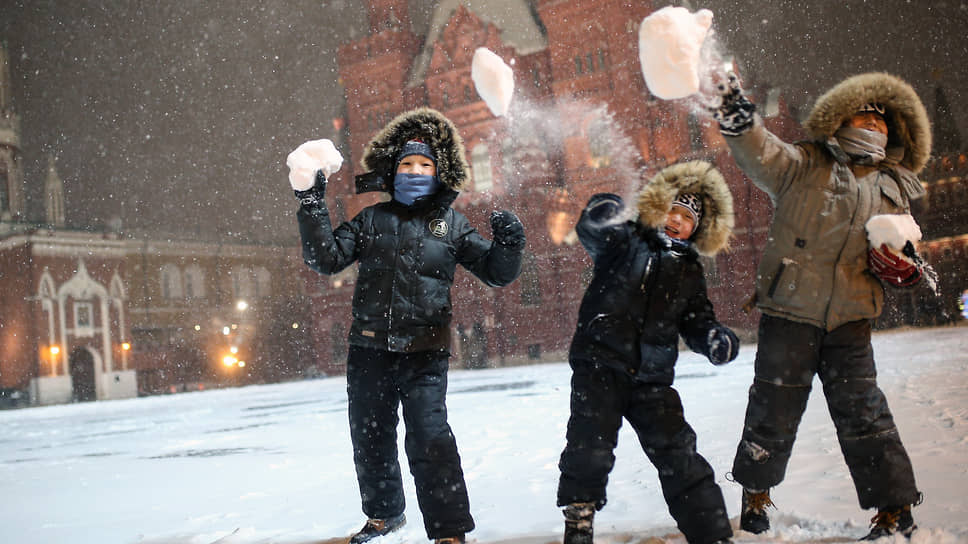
(658, 361)
(785, 281)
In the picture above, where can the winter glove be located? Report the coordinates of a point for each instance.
(508, 230)
(893, 269)
(603, 207)
(315, 195)
(735, 113)
(723, 345)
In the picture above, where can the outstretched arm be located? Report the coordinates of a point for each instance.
(324, 250)
(496, 263)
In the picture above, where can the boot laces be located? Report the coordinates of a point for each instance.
(759, 502)
(887, 519)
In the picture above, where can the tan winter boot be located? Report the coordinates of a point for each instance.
(378, 527)
(753, 518)
(892, 520)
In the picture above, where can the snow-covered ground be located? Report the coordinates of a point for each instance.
(273, 463)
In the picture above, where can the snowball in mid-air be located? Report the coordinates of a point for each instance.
(493, 80)
(893, 230)
(309, 157)
(670, 42)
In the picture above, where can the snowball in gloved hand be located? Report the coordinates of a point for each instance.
(894, 231)
(309, 157)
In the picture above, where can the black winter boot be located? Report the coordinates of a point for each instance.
(579, 518)
(378, 527)
(892, 520)
(753, 518)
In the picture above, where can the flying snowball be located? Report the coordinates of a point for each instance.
(493, 80)
(670, 42)
(893, 230)
(309, 157)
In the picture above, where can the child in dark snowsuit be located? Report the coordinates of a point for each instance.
(408, 249)
(647, 290)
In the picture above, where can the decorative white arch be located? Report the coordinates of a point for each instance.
(84, 289)
(46, 293)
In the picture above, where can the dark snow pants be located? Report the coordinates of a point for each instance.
(600, 398)
(377, 383)
(788, 356)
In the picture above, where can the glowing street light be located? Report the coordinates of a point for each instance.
(241, 305)
(54, 350)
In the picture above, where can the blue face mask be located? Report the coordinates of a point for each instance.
(409, 187)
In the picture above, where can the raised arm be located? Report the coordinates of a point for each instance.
(324, 250)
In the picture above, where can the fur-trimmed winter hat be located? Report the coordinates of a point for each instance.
(425, 125)
(698, 178)
(907, 120)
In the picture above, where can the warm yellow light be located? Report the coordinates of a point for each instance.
(235, 326)
(198, 327)
(234, 350)
(295, 325)
(125, 346)
(241, 364)
(226, 331)
(228, 360)
(54, 350)
(241, 305)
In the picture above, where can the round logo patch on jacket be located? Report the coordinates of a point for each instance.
(438, 228)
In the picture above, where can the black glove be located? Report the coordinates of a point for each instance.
(723, 345)
(315, 195)
(604, 206)
(735, 113)
(508, 230)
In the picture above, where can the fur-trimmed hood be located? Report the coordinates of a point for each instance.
(907, 120)
(432, 128)
(716, 225)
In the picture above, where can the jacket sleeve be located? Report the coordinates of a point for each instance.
(771, 163)
(598, 227)
(327, 251)
(698, 318)
(494, 264)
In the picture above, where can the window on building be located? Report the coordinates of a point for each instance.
(711, 270)
(83, 317)
(530, 281)
(194, 282)
(481, 168)
(600, 142)
(578, 67)
(694, 126)
(171, 282)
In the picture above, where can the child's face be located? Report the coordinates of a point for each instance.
(679, 223)
(417, 164)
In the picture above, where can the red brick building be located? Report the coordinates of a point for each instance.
(581, 121)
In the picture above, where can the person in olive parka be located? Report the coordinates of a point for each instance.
(647, 290)
(820, 284)
(408, 249)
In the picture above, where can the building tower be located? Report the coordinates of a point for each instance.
(53, 195)
(11, 174)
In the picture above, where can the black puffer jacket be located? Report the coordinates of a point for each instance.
(407, 255)
(648, 289)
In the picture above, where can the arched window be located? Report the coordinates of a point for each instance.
(194, 282)
(481, 168)
(171, 282)
(600, 142)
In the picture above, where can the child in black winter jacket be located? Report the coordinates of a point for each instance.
(647, 290)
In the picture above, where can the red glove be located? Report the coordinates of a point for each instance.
(892, 269)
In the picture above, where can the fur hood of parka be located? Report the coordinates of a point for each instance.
(716, 225)
(429, 126)
(907, 120)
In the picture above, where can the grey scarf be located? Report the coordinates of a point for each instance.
(863, 146)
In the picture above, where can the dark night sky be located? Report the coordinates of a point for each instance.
(177, 116)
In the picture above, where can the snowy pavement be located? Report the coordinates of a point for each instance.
(273, 463)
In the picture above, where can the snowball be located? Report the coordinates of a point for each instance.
(894, 230)
(670, 41)
(309, 157)
(493, 80)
